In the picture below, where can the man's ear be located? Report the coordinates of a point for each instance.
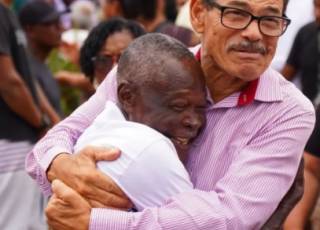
(126, 96)
(197, 15)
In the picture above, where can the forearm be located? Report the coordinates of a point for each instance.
(77, 80)
(62, 137)
(289, 72)
(19, 99)
(46, 107)
(300, 215)
(196, 210)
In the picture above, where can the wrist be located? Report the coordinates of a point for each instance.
(45, 122)
(53, 168)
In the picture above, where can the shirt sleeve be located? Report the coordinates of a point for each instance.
(63, 136)
(158, 162)
(244, 198)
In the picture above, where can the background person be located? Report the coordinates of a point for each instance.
(41, 23)
(300, 13)
(304, 57)
(299, 218)
(152, 15)
(21, 123)
(100, 52)
(104, 45)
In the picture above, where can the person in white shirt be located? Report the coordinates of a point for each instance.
(160, 112)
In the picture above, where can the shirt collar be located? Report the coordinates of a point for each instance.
(266, 88)
(113, 112)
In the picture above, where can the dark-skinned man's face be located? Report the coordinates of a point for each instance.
(176, 108)
(46, 34)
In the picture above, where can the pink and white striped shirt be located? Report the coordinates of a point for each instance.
(241, 165)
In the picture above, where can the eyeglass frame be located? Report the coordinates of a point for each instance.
(112, 58)
(286, 20)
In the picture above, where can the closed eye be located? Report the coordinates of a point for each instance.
(178, 108)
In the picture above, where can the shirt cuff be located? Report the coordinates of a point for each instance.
(104, 218)
(50, 155)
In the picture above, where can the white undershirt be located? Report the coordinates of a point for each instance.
(148, 170)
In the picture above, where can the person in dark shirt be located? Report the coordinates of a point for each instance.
(41, 23)
(300, 216)
(21, 121)
(304, 57)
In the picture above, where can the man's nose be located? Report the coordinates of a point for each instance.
(192, 122)
(252, 32)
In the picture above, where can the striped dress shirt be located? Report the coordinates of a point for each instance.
(241, 165)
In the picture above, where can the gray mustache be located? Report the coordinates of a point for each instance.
(247, 46)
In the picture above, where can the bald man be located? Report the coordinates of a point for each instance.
(168, 97)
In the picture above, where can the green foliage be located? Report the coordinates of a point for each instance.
(70, 97)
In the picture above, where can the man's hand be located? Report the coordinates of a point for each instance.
(79, 172)
(67, 209)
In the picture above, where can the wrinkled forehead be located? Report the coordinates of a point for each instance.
(180, 74)
(116, 42)
(256, 6)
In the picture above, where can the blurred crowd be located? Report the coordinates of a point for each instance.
(55, 53)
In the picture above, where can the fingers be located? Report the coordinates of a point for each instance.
(104, 182)
(105, 191)
(67, 196)
(100, 188)
(105, 199)
(83, 178)
(101, 153)
(63, 216)
(65, 193)
(52, 211)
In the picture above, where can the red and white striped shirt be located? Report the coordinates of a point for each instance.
(241, 165)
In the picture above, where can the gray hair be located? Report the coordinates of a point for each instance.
(145, 61)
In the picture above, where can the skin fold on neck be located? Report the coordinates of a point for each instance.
(219, 83)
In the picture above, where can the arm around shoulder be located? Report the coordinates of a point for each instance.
(244, 198)
(62, 137)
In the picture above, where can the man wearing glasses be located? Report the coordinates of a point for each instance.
(242, 164)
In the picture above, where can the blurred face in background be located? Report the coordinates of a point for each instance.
(317, 10)
(109, 54)
(46, 34)
(110, 8)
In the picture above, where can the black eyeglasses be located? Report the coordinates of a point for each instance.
(105, 62)
(234, 18)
